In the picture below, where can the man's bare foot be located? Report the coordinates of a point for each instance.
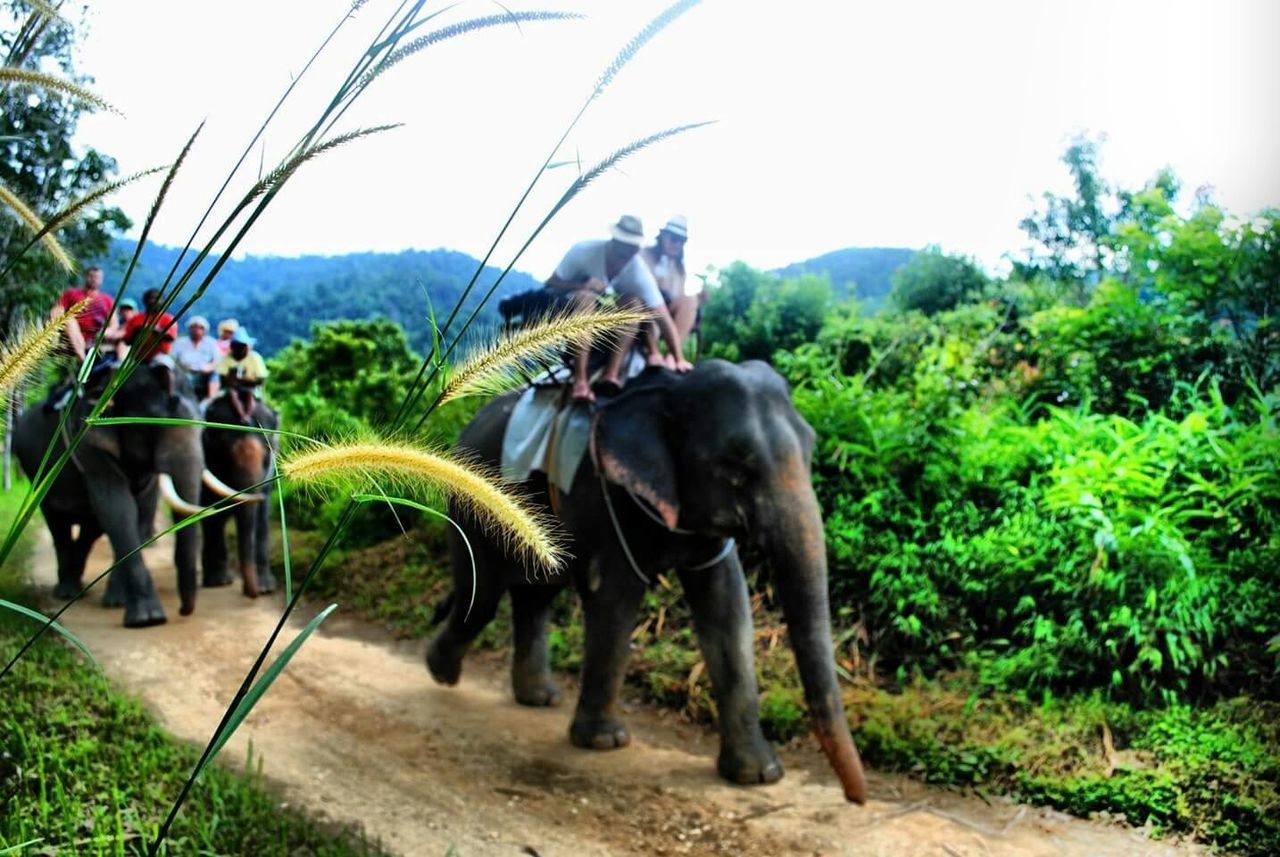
(669, 361)
(582, 392)
(656, 359)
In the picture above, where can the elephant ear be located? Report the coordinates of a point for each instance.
(630, 448)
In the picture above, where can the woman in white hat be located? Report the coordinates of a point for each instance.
(665, 258)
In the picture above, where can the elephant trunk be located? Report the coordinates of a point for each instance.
(797, 549)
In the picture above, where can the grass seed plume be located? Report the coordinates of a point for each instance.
(530, 532)
(494, 369)
(21, 356)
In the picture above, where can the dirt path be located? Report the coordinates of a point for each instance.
(356, 731)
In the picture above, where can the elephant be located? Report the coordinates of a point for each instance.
(682, 467)
(111, 483)
(238, 460)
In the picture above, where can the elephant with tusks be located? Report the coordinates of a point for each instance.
(113, 482)
(683, 468)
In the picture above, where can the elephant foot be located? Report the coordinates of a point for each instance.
(212, 581)
(444, 664)
(604, 733)
(114, 599)
(749, 766)
(541, 692)
(267, 583)
(188, 605)
(67, 590)
(144, 613)
(250, 589)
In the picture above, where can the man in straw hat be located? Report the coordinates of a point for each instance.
(594, 268)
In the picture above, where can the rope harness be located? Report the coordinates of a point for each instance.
(724, 551)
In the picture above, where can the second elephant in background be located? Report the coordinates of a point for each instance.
(241, 460)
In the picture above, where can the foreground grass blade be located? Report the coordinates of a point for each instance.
(61, 629)
(373, 498)
(250, 699)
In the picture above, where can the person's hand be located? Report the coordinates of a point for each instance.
(683, 365)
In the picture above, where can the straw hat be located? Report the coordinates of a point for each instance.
(628, 230)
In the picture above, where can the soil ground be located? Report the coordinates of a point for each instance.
(356, 731)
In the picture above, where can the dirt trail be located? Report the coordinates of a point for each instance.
(356, 731)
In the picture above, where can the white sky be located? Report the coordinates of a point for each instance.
(839, 123)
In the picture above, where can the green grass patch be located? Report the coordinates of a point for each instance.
(85, 770)
(1212, 771)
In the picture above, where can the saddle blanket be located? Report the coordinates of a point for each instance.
(534, 425)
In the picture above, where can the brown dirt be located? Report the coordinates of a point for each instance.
(356, 731)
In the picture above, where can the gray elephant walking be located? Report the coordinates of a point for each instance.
(239, 461)
(111, 484)
(684, 463)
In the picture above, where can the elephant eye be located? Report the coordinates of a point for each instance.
(733, 473)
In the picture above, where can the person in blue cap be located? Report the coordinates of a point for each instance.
(242, 371)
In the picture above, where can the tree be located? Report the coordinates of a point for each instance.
(752, 314)
(40, 164)
(1072, 232)
(933, 282)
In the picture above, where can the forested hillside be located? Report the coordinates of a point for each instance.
(278, 298)
(862, 272)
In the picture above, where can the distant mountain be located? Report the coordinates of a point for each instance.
(278, 298)
(862, 272)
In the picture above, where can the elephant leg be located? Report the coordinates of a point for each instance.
(609, 617)
(214, 550)
(70, 573)
(119, 520)
(90, 532)
(722, 619)
(246, 527)
(261, 546)
(530, 668)
(466, 619)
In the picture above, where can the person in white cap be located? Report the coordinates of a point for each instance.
(198, 356)
(594, 268)
(665, 258)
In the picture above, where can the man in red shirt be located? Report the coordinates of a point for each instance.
(138, 332)
(95, 317)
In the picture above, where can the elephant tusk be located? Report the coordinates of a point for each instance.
(222, 489)
(170, 494)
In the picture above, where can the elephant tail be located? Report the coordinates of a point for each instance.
(442, 609)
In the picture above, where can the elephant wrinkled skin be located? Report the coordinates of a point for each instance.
(111, 486)
(718, 453)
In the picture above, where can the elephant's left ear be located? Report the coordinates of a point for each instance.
(629, 446)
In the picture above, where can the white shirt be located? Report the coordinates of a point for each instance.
(587, 259)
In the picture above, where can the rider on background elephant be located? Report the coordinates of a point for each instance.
(111, 483)
(680, 466)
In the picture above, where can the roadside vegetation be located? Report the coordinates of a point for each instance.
(85, 769)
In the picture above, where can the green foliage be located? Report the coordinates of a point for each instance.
(934, 281)
(84, 768)
(753, 314)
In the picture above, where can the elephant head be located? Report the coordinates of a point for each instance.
(113, 481)
(723, 451)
